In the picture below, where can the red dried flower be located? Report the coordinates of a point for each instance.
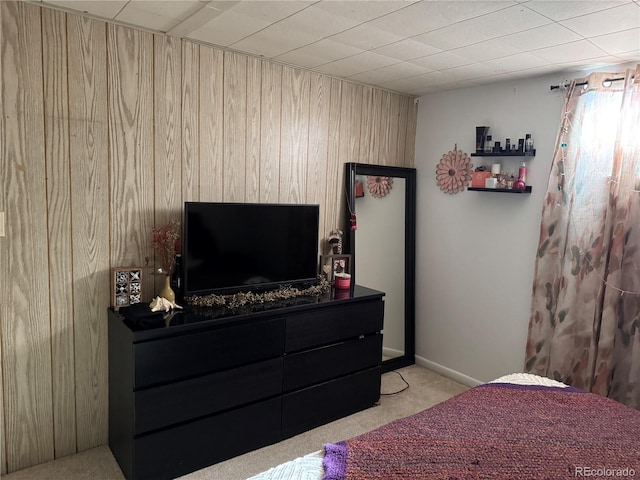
(165, 242)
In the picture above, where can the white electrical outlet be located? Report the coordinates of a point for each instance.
(2, 234)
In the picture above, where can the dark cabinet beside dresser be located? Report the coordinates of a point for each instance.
(207, 387)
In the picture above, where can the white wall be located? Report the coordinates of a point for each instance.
(476, 250)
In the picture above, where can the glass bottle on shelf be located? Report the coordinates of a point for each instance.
(528, 144)
(488, 144)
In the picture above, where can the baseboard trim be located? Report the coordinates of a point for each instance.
(447, 372)
(391, 352)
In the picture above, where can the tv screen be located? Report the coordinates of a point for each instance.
(231, 247)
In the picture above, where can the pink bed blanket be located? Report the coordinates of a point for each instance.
(498, 431)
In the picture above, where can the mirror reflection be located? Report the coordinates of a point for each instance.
(379, 243)
(383, 247)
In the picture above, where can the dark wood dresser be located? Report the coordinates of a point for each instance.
(209, 383)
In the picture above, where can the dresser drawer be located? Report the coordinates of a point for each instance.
(318, 365)
(188, 447)
(182, 357)
(329, 325)
(177, 402)
(314, 406)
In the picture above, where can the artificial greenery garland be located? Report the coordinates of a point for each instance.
(285, 292)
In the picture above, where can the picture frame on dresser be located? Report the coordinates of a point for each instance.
(332, 264)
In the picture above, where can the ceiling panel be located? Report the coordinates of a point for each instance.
(563, 9)
(319, 53)
(619, 42)
(104, 9)
(275, 40)
(409, 46)
(158, 15)
(605, 21)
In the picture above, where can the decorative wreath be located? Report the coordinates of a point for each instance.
(453, 173)
(379, 186)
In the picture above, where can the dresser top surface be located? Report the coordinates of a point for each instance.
(139, 318)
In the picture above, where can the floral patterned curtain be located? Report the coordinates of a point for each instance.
(585, 322)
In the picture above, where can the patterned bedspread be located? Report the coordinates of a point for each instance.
(520, 426)
(498, 431)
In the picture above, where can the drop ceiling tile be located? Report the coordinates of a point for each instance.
(366, 37)
(606, 21)
(486, 50)
(563, 9)
(361, 62)
(201, 17)
(406, 49)
(518, 62)
(275, 40)
(158, 15)
(631, 56)
(569, 52)
(269, 11)
(540, 37)
(362, 11)
(423, 17)
(452, 36)
(618, 42)
(318, 22)
(318, 53)
(390, 72)
(441, 61)
(104, 9)
(373, 77)
(227, 28)
(476, 70)
(506, 21)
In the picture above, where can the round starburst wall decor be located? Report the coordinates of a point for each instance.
(379, 186)
(453, 173)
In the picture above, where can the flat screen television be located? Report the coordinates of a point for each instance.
(232, 247)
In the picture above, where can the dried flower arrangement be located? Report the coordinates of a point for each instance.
(285, 292)
(165, 242)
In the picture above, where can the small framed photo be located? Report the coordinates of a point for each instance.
(332, 264)
(126, 286)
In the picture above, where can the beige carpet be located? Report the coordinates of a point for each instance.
(426, 389)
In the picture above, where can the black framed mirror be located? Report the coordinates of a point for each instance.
(382, 201)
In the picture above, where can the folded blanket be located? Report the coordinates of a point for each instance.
(498, 431)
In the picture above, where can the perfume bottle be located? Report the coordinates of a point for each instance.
(520, 183)
(488, 144)
(528, 144)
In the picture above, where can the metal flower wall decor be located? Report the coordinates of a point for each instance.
(379, 186)
(453, 173)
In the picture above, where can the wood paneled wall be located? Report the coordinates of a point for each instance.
(106, 131)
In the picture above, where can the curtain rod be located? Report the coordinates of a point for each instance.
(554, 87)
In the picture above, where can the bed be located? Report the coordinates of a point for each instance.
(518, 426)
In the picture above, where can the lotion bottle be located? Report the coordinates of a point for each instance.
(520, 183)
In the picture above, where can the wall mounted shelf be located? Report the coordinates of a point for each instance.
(504, 154)
(527, 189)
